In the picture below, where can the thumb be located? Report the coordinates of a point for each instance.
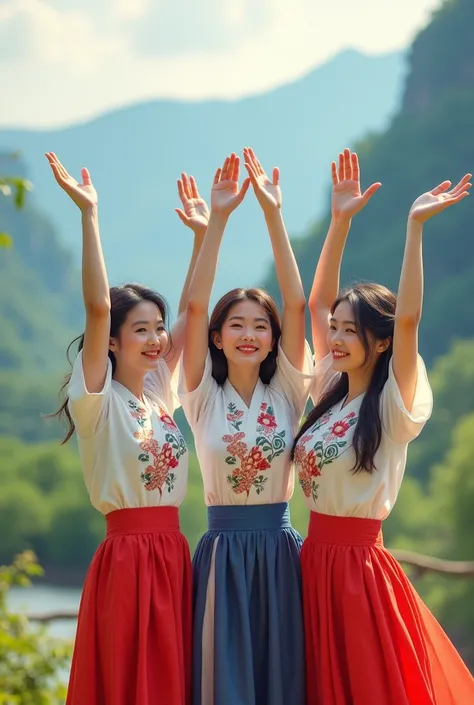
(243, 190)
(86, 177)
(367, 195)
(182, 215)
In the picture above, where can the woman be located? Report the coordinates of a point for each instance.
(245, 385)
(369, 638)
(133, 642)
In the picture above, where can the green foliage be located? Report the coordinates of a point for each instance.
(16, 188)
(29, 658)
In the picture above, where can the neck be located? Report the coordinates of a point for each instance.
(244, 380)
(359, 381)
(132, 380)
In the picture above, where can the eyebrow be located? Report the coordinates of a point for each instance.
(142, 323)
(334, 320)
(241, 318)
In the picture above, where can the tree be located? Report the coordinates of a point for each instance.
(16, 188)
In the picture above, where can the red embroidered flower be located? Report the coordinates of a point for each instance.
(166, 419)
(340, 428)
(267, 420)
(235, 416)
(311, 465)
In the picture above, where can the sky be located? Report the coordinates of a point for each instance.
(64, 61)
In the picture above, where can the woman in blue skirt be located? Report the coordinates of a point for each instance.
(245, 384)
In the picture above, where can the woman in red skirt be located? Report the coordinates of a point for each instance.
(134, 629)
(369, 638)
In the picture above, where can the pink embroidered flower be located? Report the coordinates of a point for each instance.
(339, 429)
(166, 419)
(235, 416)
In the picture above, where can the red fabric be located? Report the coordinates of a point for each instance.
(370, 640)
(133, 642)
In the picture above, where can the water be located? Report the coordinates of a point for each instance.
(47, 598)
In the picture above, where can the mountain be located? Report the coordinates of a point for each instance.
(135, 155)
(429, 140)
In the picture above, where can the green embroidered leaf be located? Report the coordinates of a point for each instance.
(230, 460)
(144, 457)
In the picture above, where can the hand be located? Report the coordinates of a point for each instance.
(225, 194)
(84, 195)
(347, 199)
(196, 212)
(435, 201)
(268, 192)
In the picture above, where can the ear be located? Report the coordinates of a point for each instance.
(383, 345)
(113, 344)
(216, 339)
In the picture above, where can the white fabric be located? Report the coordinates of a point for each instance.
(244, 453)
(133, 454)
(325, 457)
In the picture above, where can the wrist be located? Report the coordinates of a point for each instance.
(273, 214)
(341, 220)
(90, 211)
(218, 217)
(415, 225)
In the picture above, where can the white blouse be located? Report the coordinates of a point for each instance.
(325, 457)
(244, 453)
(133, 454)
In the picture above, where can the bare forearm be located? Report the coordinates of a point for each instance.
(327, 276)
(198, 240)
(287, 272)
(95, 286)
(410, 292)
(202, 281)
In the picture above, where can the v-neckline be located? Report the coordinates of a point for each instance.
(146, 404)
(344, 406)
(250, 412)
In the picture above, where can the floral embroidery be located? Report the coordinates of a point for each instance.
(269, 445)
(160, 459)
(324, 451)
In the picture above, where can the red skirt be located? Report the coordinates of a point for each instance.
(370, 640)
(133, 640)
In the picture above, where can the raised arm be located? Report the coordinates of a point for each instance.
(195, 215)
(347, 201)
(95, 288)
(268, 194)
(225, 197)
(410, 292)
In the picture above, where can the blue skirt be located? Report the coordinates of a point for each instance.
(248, 644)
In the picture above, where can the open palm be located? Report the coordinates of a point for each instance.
(83, 194)
(195, 213)
(226, 194)
(267, 191)
(347, 198)
(432, 202)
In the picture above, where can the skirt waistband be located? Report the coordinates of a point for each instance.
(254, 517)
(142, 520)
(346, 531)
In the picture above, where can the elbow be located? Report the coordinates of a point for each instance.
(97, 309)
(408, 321)
(297, 304)
(195, 307)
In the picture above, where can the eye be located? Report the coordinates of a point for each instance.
(235, 325)
(141, 330)
(262, 327)
(350, 330)
(160, 329)
(332, 326)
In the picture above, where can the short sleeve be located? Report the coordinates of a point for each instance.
(400, 425)
(325, 377)
(294, 385)
(87, 409)
(194, 403)
(164, 385)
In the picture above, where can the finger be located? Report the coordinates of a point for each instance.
(276, 176)
(341, 167)
(186, 185)
(230, 166)
(236, 168)
(252, 174)
(347, 164)
(217, 176)
(461, 184)
(259, 167)
(86, 177)
(61, 169)
(182, 216)
(441, 188)
(355, 167)
(194, 188)
(367, 195)
(224, 169)
(335, 180)
(181, 191)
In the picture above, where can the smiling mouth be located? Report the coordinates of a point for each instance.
(338, 354)
(152, 354)
(247, 349)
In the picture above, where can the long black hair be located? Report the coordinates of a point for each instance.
(373, 307)
(218, 317)
(122, 300)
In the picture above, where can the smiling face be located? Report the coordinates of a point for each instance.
(142, 339)
(246, 335)
(344, 342)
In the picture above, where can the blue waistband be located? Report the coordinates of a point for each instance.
(253, 517)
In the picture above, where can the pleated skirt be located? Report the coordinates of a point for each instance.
(133, 641)
(248, 643)
(370, 640)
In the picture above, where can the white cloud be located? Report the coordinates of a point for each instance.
(68, 61)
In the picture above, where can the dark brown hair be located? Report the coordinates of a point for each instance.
(218, 317)
(373, 307)
(122, 300)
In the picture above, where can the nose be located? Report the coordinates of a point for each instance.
(153, 339)
(248, 335)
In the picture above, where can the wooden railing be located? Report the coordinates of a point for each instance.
(420, 564)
